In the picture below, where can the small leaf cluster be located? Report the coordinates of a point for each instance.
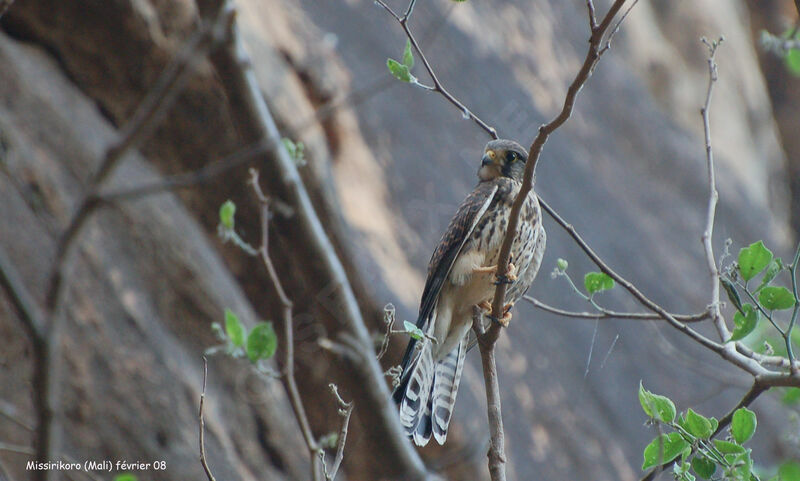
(413, 331)
(296, 151)
(762, 301)
(259, 343)
(402, 70)
(593, 282)
(226, 228)
(689, 442)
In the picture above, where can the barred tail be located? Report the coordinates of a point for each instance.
(427, 396)
(445, 387)
(415, 397)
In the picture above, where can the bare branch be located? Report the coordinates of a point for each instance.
(345, 410)
(388, 318)
(144, 120)
(609, 314)
(746, 363)
(592, 15)
(616, 27)
(486, 346)
(234, 67)
(189, 179)
(288, 350)
(203, 461)
(714, 307)
(146, 117)
(437, 85)
(592, 57)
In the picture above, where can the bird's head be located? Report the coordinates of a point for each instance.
(503, 158)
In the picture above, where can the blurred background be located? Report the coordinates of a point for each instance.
(386, 165)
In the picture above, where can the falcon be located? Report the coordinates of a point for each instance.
(462, 273)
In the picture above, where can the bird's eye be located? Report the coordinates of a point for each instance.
(511, 156)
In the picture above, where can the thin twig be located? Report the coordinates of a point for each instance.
(592, 56)
(616, 27)
(157, 101)
(609, 314)
(388, 318)
(288, 349)
(203, 460)
(234, 67)
(713, 197)
(744, 362)
(592, 15)
(146, 117)
(189, 179)
(437, 85)
(486, 346)
(788, 335)
(345, 410)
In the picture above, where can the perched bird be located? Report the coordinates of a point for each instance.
(462, 274)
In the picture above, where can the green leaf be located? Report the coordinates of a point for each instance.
(226, 213)
(753, 259)
(262, 342)
(295, 150)
(793, 61)
(656, 406)
(743, 425)
(773, 269)
(698, 425)
(681, 470)
(562, 265)
(234, 329)
(789, 471)
(791, 396)
(663, 449)
(776, 297)
(597, 281)
(408, 55)
(703, 466)
(413, 330)
(125, 477)
(727, 447)
(742, 465)
(744, 324)
(733, 295)
(399, 70)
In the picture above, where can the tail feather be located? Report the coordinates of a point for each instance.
(427, 395)
(416, 397)
(446, 378)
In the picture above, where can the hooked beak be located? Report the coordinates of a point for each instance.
(488, 158)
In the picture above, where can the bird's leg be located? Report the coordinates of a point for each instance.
(506, 315)
(508, 278)
(503, 321)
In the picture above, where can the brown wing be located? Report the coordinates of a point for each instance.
(459, 230)
(443, 258)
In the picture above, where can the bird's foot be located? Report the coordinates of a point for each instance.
(503, 321)
(508, 278)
